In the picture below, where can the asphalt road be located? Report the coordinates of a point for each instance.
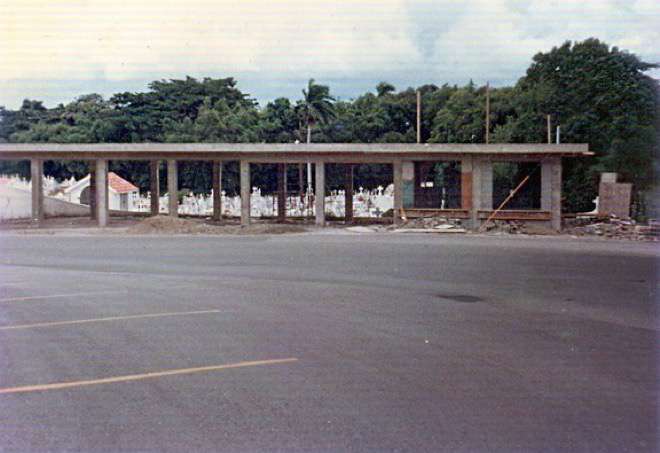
(365, 343)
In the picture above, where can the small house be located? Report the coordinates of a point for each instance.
(122, 194)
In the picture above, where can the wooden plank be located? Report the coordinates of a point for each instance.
(428, 212)
(516, 215)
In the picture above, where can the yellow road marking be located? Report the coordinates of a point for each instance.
(112, 318)
(136, 377)
(49, 296)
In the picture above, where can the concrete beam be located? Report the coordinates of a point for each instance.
(348, 194)
(397, 173)
(281, 192)
(217, 190)
(154, 186)
(37, 173)
(246, 189)
(173, 187)
(319, 199)
(102, 192)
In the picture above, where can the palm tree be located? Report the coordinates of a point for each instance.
(315, 107)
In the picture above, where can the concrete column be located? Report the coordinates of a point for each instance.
(102, 192)
(546, 184)
(556, 182)
(319, 199)
(173, 187)
(92, 190)
(246, 189)
(154, 186)
(348, 194)
(476, 192)
(482, 188)
(466, 183)
(281, 192)
(217, 190)
(397, 173)
(37, 173)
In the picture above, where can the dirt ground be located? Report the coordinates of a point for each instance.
(165, 225)
(150, 225)
(169, 225)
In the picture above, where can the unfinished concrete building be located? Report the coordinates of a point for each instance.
(462, 181)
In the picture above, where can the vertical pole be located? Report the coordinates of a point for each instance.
(549, 129)
(245, 192)
(92, 189)
(419, 117)
(101, 192)
(397, 173)
(348, 194)
(217, 190)
(37, 173)
(154, 186)
(173, 187)
(487, 112)
(281, 192)
(319, 200)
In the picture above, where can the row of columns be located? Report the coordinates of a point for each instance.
(476, 184)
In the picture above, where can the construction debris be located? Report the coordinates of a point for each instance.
(429, 223)
(516, 227)
(615, 228)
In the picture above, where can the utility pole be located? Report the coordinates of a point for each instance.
(558, 134)
(487, 112)
(419, 117)
(549, 129)
(308, 195)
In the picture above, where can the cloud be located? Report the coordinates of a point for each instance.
(106, 43)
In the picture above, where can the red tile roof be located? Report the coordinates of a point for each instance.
(119, 184)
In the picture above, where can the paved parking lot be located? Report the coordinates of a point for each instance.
(327, 342)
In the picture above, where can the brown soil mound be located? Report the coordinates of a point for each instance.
(171, 225)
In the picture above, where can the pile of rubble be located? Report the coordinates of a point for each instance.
(516, 227)
(615, 228)
(435, 224)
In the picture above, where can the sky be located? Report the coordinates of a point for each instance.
(56, 50)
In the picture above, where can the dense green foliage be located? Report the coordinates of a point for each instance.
(597, 94)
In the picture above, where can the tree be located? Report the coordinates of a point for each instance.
(598, 95)
(384, 88)
(315, 107)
